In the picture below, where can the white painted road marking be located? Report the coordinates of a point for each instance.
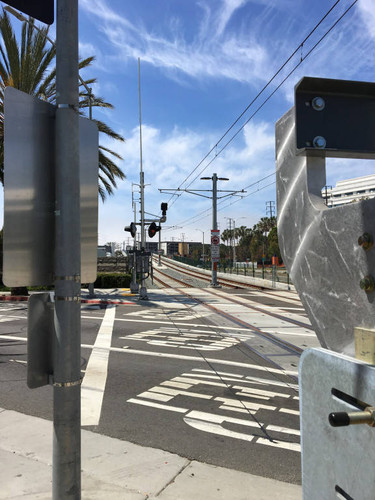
(184, 338)
(216, 423)
(93, 384)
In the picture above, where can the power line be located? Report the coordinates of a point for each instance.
(260, 93)
(274, 91)
(261, 106)
(205, 213)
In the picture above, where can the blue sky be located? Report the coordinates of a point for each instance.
(202, 63)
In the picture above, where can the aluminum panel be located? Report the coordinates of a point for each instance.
(29, 145)
(88, 157)
(29, 192)
(40, 334)
(319, 245)
(337, 462)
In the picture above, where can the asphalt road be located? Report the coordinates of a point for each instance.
(169, 374)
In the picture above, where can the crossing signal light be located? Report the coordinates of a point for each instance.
(164, 208)
(153, 229)
(132, 229)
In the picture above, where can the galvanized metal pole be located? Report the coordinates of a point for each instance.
(214, 224)
(234, 243)
(143, 290)
(67, 345)
(159, 248)
(204, 260)
(134, 287)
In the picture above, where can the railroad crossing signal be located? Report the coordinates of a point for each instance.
(43, 10)
(132, 229)
(153, 229)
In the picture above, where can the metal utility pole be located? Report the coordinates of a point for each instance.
(143, 290)
(66, 483)
(231, 236)
(202, 244)
(214, 178)
(214, 197)
(270, 208)
(134, 287)
(159, 248)
(234, 243)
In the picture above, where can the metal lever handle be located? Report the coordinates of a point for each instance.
(341, 418)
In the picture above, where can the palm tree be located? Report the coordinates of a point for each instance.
(27, 67)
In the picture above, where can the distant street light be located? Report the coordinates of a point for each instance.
(203, 256)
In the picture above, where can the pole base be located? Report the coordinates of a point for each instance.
(215, 285)
(134, 287)
(143, 293)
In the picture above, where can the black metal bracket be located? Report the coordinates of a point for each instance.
(335, 118)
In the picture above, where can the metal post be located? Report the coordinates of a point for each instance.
(159, 248)
(204, 261)
(134, 287)
(234, 243)
(143, 290)
(66, 483)
(214, 224)
(230, 240)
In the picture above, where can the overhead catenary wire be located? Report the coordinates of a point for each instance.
(274, 91)
(261, 91)
(206, 213)
(303, 58)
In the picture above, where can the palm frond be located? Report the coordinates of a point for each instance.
(27, 66)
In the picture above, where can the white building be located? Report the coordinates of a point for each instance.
(350, 190)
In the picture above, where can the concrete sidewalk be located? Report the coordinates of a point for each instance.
(117, 469)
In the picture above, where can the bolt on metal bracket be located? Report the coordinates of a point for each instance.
(319, 245)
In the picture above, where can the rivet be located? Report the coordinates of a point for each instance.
(318, 103)
(367, 284)
(365, 241)
(319, 142)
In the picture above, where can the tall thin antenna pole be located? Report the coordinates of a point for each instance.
(140, 154)
(143, 290)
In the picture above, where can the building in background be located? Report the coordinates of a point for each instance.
(349, 191)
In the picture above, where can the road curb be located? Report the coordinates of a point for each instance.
(108, 301)
(15, 298)
(25, 298)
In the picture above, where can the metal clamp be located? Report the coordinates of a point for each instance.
(67, 106)
(65, 384)
(76, 278)
(76, 298)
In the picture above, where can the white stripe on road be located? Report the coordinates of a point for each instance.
(157, 405)
(168, 322)
(213, 423)
(93, 384)
(287, 410)
(179, 356)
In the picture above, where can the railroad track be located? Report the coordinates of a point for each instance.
(183, 288)
(226, 282)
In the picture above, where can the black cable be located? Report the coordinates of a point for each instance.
(276, 89)
(258, 95)
(208, 210)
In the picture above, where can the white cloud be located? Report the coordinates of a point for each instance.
(214, 51)
(169, 157)
(367, 11)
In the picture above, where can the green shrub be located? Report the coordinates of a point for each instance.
(112, 280)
